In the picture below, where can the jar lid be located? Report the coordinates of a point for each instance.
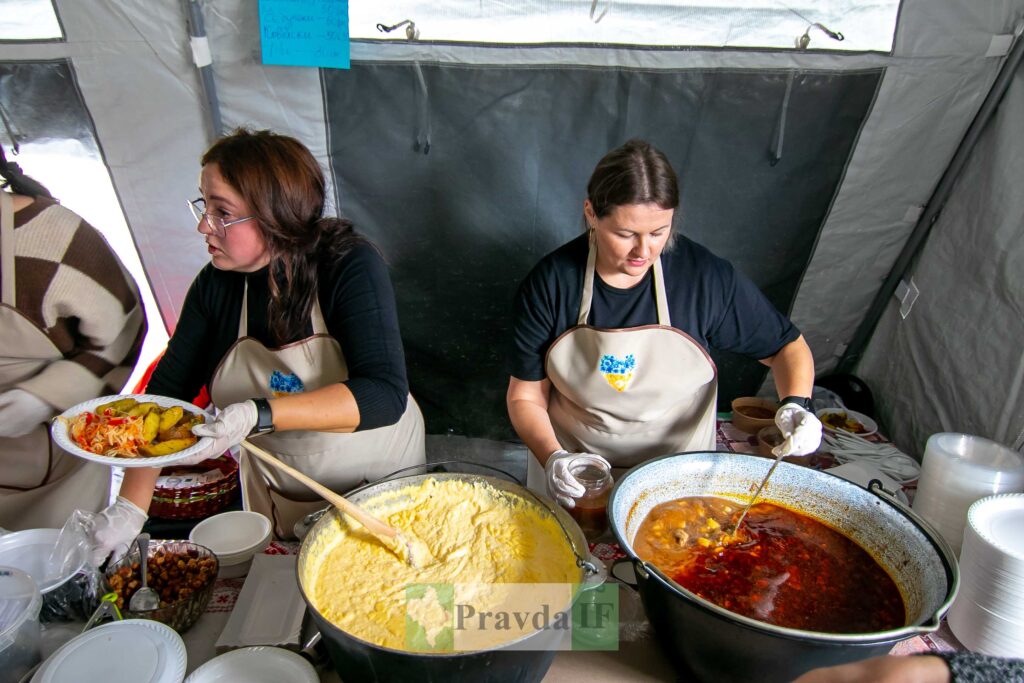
(20, 601)
(589, 470)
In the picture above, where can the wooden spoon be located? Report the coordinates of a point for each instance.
(411, 550)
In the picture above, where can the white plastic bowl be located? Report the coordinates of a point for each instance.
(256, 665)
(235, 537)
(58, 566)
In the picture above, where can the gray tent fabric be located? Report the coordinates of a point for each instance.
(504, 180)
(956, 363)
(134, 69)
(39, 100)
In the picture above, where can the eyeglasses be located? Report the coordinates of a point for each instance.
(218, 225)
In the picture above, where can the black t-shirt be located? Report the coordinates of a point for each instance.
(707, 298)
(358, 303)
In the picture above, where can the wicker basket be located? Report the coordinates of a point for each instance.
(200, 500)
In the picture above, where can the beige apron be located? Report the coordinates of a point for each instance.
(337, 460)
(40, 484)
(631, 394)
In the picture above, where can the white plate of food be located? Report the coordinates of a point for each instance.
(848, 421)
(119, 430)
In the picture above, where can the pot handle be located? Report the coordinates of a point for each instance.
(875, 487)
(640, 571)
(626, 569)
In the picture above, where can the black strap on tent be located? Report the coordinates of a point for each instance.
(15, 147)
(775, 154)
(423, 127)
(933, 208)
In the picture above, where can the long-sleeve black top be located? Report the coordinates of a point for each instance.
(358, 303)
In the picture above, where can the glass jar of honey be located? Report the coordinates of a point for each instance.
(591, 509)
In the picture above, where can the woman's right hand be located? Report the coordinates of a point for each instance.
(562, 485)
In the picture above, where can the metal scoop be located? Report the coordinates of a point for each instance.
(412, 550)
(753, 498)
(145, 598)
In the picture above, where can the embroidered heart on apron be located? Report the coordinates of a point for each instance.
(282, 384)
(617, 371)
(668, 408)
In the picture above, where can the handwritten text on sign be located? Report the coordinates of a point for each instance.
(305, 32)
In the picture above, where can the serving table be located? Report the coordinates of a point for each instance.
(638, 657)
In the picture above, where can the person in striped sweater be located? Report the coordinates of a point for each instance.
(71, 329)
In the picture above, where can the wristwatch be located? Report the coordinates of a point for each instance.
(801, 401)
(264, 417)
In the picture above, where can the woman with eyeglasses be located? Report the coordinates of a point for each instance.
(612, 329)
(293, 328)
(71, 329)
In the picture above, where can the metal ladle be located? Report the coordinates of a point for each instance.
(753, 498)
(145, 598)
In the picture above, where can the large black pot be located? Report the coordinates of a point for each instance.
(714, 644)
(355, 659)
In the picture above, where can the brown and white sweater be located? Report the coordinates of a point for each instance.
(70, 284)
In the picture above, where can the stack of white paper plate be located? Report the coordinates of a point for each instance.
(129, 651)
(988, 614)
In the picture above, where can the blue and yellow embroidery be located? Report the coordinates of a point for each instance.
(282, 384)
(617, 371)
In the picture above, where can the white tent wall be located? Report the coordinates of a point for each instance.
(956, 362)
(285, 99)
(138, 82)
(134, 65)
(934, 84)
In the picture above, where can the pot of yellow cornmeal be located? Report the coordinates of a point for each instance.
(491, 602)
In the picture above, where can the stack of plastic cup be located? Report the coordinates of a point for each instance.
(988, 613)
(957, 470)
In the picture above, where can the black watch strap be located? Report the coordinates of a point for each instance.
(801, 401)
(264, 417)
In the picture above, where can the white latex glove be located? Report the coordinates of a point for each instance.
(114, 529)
(233, 424)
(800, 428)
(21, 412)
(561, 484)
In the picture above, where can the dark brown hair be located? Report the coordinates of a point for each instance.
(12, 177)
(282, 183)
(635, 173)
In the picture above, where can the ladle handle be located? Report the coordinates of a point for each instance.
(372, 524)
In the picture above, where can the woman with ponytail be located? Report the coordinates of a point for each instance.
(293, 329)
(71, 328)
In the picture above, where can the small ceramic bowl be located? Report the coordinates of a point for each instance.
(768, 438)
(751, 414)
(235, 537)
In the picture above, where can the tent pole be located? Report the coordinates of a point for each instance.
(204, 63)
(933, 208)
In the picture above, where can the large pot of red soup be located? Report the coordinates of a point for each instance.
(820, 572)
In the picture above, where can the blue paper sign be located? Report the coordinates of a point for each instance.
(305, 33)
